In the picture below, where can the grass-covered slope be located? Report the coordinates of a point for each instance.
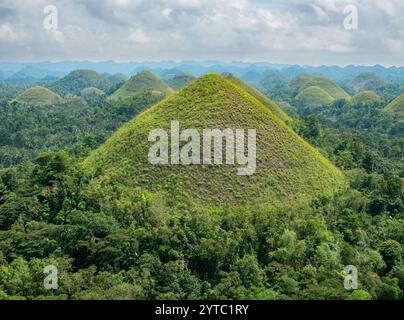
(142, 81)
(313, 97)
(367, 97)
(38, 96)
(92, 91)
(304, 81)
(275, 109)
(77, 80)
(287, 166)
(396, 107)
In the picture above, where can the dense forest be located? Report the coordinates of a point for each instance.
(110, 241)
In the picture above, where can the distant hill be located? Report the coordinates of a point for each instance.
(117, 78)
(77, 80)
(367, 81)
(180, 80)
(367, 97)
(94, 97)
(38, 96)
(275, 109)
(30, 73)
(304, 81)
(144, 80)
(91, 91)
(396, 107)
(253, 77)
(168, 74)
(313, 97)
(272, 80)
(287, 167)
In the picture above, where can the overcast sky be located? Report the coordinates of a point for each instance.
(295, 32)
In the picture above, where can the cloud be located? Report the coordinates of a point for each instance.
(296, 31)
(9, 34)
(138, 37)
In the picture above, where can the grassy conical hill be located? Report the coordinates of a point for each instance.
(142, 81)
(287, 166)
(77, 80)
(38, 96)
(313, 97)
(396, 107)
(367, 97)
(275, 109)
(367, 81)
(304, 81)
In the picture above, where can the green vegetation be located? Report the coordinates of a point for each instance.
(367, 98)
(38, 96)
(261, 98)
(396, 107)
(142, 81)
(77, 80)
(118, 229)
(287, 167)
(77, 124)
(313, 97)
(304, 81)
(273, 80)
(179, 81)
(367, 81)
(92, 91)
(94, 97)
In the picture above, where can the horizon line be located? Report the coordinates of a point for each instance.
(200, 61)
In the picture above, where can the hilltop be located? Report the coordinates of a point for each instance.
(396, 107)
(179, 81)
(367, 81)
(367, 97)
(275, 109)
(304, 81)
(92, 91)
(313, 97)
(287, 166)
(142, 81)
(77, 80)
(38, 96)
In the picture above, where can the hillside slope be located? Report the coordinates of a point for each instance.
(304, 81)
(313, 97)
(144, 80)
(396, 107)
(287, 166)
(77, 80)
(275, 109)
(367, 81)
(38, 96)
(367, 97)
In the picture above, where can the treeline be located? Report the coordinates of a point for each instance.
(108, 247)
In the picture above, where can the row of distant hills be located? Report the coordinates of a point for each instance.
(49, 71)
(305, 91)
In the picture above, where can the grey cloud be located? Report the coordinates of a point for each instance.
(306, 32)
